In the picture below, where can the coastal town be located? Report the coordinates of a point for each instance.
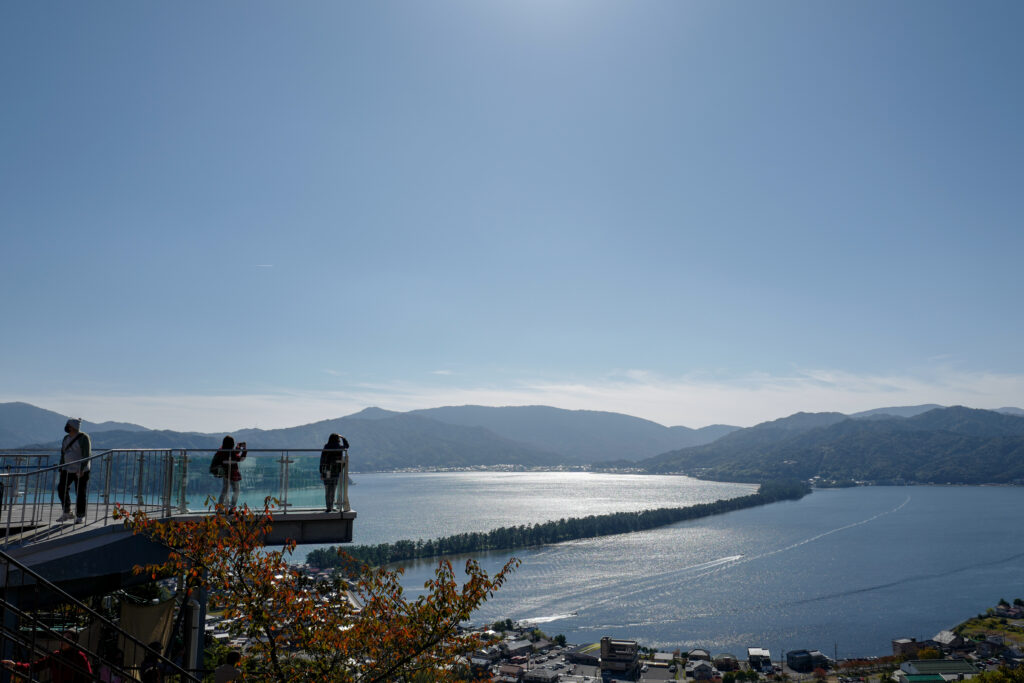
(521, 653)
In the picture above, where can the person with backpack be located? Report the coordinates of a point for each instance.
(331, 458)
(75, 454)
(225, 465)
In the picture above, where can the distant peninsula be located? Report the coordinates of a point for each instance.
(571, 529)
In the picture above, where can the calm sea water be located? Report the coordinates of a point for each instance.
(842, 571)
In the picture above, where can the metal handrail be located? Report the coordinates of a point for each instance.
(36, 582)
(157, 481)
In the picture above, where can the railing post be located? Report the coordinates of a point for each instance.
(285, 461)
(108, 461)
(9, 508)
(168, 482)
(142, 470)
(344, 482)
(182, 493)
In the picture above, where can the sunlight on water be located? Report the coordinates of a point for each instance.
(396, 506)
(847, 570)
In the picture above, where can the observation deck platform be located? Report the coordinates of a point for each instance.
(98, 555)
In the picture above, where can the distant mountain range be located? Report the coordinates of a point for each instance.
(23, 423)
(580, 436)
(897, 411)
(941, 445)
(926, 443)
(535, 436)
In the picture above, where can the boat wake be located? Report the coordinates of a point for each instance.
(908, 579)
(833, 531)
(724, 564)
(713, 564)
(533, 621)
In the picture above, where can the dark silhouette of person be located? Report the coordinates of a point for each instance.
(331, 459)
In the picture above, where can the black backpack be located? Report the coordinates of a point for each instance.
(217, 467)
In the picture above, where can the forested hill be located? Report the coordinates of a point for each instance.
(907, 443)
(944, 445)
(579, 436)
(24, 423)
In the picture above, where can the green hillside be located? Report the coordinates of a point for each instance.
(945, 445)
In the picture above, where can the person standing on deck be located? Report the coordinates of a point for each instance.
(331, 458)
(75, 451)
(228, 458)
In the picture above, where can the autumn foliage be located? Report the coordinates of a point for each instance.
(356, 627)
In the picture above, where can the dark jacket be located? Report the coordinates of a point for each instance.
(331, 457)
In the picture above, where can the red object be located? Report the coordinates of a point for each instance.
(68, 665)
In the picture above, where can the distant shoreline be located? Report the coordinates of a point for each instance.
(591, 470)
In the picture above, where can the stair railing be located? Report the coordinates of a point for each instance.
(36, 614)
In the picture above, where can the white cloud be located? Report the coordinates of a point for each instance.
(693, 401)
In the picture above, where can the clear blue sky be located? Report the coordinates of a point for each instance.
(230, 214)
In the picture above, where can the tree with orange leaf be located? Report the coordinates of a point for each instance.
(356, 627)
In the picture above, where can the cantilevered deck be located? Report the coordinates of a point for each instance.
(99, 553)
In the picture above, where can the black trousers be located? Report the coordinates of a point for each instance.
(81, 480)
(330, 486)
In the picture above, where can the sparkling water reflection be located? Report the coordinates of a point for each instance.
(428, 505)
(841, 571)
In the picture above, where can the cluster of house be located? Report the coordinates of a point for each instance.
(517, 659)
(960, 658)
(520, 660)
(219, 631)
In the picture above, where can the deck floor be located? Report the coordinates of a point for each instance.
(27, 523)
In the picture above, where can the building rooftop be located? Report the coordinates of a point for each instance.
(941, 666)
(591, 647)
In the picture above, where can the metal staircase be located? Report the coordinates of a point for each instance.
(39, 618)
